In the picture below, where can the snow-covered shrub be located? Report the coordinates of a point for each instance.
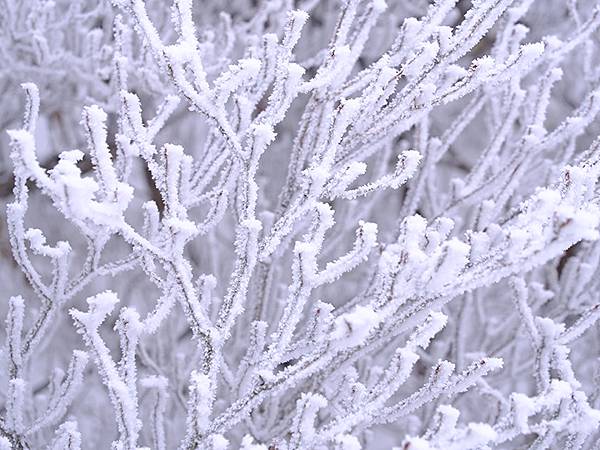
(347, 224)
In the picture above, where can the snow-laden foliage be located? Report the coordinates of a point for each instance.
(283, 224)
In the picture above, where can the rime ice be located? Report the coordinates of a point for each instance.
(350, 225)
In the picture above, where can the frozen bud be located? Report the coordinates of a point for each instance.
(351, 329)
